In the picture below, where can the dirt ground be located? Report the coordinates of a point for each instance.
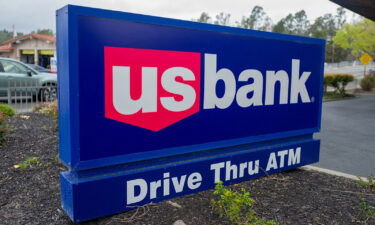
(31, 195)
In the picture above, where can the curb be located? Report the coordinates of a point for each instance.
(333, 172)
(365, 94)
(340, 99)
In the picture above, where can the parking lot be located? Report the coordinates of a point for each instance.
(347, 136)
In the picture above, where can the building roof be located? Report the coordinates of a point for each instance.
(27, 36)
(5, 48)
(364, 8)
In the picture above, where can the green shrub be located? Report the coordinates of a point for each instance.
(368, 83)
(368, 210)
(237, 207)
(372, 79)
(337, 81)
(327, 82)
(368, 184)
(3, 128)
(7, 110)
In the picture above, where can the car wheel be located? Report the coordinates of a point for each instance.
(48, 93)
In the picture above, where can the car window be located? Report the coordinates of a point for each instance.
(13, 67)
(39, 68)
(25, 68)
(1, 67)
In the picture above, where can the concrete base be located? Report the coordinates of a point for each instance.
(100, 192)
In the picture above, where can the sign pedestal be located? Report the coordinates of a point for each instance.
(101, 192)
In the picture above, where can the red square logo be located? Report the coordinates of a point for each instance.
(152, 89)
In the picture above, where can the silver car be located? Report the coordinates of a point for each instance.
(20, 81)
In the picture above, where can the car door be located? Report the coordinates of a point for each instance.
(17, 77)
(3, 82)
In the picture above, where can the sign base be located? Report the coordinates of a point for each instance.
(104, 191)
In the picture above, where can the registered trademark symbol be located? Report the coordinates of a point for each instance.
(312, 99)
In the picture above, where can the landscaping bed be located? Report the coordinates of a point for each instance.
(332, 96)
(31, 195)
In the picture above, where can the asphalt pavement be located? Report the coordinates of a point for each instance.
(348, 136)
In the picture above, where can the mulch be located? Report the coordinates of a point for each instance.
(31, 196)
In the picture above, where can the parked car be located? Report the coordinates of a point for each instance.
(40, 68)
(19, 81)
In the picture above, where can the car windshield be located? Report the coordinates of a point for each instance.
(38, 68)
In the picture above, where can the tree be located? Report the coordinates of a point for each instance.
(285, 25)
(222, 19)
(279, 27)
(324, 27)
(204, 18)
(6, 35)
(358, 37)
(258, 20)
(301, 23)
(296, 24)
(47, 32)
(340, 17)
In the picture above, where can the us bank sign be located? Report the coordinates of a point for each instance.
(153, 108)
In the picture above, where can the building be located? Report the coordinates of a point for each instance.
(30, 48)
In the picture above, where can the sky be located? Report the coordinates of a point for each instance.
(28, 15)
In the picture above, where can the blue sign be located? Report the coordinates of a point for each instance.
(143, 99)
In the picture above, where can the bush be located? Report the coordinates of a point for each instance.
(337, 81)
(327, 81)
(3, 127)
(368, 83)
(7, 110)
(237, 207)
